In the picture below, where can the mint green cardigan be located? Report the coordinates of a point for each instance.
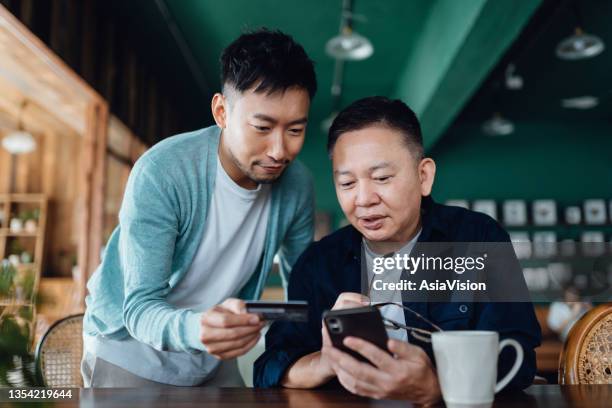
(161, 224)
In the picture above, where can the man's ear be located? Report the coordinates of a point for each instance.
(219, 109)
(427, 174)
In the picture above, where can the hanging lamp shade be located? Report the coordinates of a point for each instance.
(349, 46)
(19, 142)
(580, 45)
(498, 126)
(580, 102)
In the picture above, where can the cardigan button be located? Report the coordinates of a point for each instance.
(463, 308)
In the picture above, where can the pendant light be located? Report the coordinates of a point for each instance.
(580, 45)
(19, 142)
(497, 125)
(348, 45)
(580, 102)
(16, 143)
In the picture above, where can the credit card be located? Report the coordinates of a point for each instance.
(293, 311)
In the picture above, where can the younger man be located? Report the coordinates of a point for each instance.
(203, 215)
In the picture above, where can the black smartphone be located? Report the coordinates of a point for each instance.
(363, 322)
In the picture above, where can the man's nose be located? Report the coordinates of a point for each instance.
(277, 150)
(366, 195)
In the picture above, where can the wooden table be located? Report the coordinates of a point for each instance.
(536, 396)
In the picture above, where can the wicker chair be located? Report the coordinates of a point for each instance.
(587, 354)
(59, 352)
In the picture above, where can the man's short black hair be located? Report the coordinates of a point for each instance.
(378, 110)
(270, 60)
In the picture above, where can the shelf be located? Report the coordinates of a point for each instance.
(21, 303)
(34, 241)
(7, 233)
(23, 198)
(26, 265)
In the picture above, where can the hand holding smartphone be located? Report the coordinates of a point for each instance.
(363, 322)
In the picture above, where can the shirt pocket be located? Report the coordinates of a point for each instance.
(452, 316)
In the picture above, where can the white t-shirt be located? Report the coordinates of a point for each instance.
(231, 247)
(230, 250)
(391, 312)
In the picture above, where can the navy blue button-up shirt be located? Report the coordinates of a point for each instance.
(332, 266)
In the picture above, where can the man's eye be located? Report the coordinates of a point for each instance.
(261, 128)
(383, 179)
(296, 131)
(347, 184)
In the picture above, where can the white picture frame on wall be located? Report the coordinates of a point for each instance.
(515, 213)
(545, 244)
(595, 212)
(544, 212)
(487, 207)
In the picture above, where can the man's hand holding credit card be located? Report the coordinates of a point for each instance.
(294, 311)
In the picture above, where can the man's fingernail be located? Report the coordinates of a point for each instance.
(254, 320)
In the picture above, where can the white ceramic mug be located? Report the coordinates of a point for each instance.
(467, 366)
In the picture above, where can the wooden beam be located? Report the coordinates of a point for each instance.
(92, 189)
(119, 136)
(84, 208)
(99, 186)
(40, 74)
(41, 52)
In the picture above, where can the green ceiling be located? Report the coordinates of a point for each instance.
(547, 79)
(445, 58)
(432, 54)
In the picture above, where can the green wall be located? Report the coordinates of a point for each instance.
(568, 162)
(314, 156)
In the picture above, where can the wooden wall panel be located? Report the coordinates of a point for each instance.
(51, 169)
(5, 168)
(41, 76)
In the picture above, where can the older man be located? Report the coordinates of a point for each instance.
(383, 183)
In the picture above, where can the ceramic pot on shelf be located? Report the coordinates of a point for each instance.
(31, 226)
(26, 257)
(16, 225)
(14, 260)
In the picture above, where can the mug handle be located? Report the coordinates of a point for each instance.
(517, 363)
